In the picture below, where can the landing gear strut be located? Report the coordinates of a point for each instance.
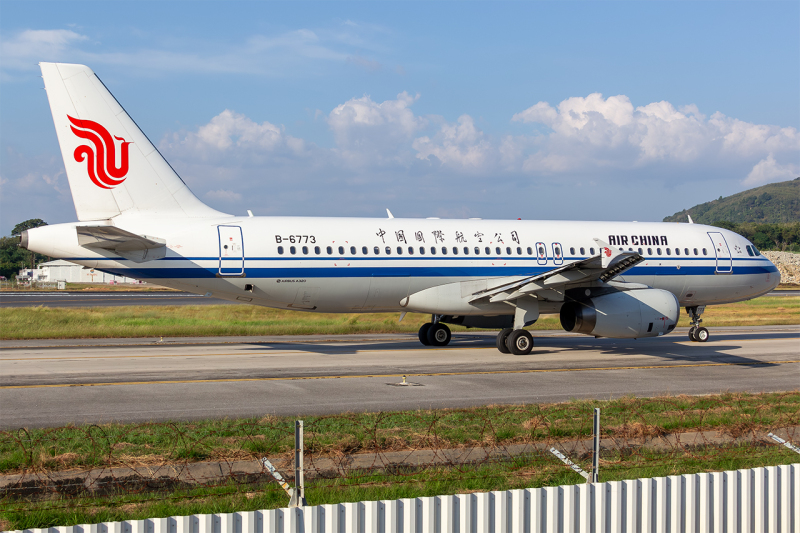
(434, 333)
(696, 332)
(515, 341)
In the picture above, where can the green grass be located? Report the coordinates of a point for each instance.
(626, 418)
(238, 320)
(530, 471)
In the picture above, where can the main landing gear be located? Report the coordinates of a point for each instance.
(696, 332)
(516, 341)
(434, 333)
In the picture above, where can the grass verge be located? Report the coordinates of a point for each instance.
(625, 419)
(524, 472)
(229, 320)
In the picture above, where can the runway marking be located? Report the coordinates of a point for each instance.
(430, 374)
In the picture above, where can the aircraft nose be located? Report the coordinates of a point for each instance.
(773, 279)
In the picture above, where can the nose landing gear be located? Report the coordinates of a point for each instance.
(696, 332)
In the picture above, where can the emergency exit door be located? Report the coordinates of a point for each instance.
(231, 251)
(723, 253)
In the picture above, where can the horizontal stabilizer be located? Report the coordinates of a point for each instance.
(137, 248)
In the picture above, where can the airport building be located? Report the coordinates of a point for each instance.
(60, 270)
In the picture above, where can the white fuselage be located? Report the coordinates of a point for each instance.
(370, 265)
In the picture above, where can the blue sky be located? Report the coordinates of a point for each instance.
(564, 110)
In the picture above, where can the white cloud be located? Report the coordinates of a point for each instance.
(232, 131)
(461, 145)
(768, 170)
(368, 132)
(25, 49)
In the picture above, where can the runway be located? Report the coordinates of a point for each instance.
(52, 383)
(121, 298)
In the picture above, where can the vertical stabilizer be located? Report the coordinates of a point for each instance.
(112, 167)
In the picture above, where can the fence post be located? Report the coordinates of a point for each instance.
(596, 447)
(298, 494)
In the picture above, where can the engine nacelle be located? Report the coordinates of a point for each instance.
(623, 315)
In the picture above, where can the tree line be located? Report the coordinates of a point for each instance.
(783, 237)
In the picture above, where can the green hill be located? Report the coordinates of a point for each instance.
(773, 203)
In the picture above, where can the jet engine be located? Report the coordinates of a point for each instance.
(623, 314)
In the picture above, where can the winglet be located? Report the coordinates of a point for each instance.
(389, 213)
(607, 252)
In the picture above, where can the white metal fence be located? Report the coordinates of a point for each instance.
(755, 500)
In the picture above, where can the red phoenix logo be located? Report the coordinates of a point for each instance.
(102, 159)
(607, 251)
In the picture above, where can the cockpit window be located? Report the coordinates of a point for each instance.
(750, 251)
(756, 250)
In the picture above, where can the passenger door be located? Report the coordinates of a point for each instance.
(723, 253)
(231, 251)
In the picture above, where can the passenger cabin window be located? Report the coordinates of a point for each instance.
(444, 250)
(292, 250)
(329, 250)
(410, 250)
(649, 251)
(488, 250)
(305, 250)
(280, 250)
(421, 250)
(399, 250)
(705, 252)
(477, 251)
(455, 250)
(433, 250)
(685, 251)
(316, 250)
(558, 251)
(508, 250)
(341, 250)
(519, 250)
(591, 251)
(466, 250)
(364, 250)
(497, 251)
(388, 250)
(695, 251)
(541, 251)
(639, 250)
(658, 251)
(583, 251)
(352, 250)
(377, 251)
(529, 250)
(571, 251)
(677, 251)
(668, 251)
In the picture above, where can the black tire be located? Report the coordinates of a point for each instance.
(439, 335)
(701, 335)
(501, 340)
(423, 333)
(520, 342)
(691, 333)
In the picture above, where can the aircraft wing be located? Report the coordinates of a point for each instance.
(604, 266)
(137, 248)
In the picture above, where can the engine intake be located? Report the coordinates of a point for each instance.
(623, 315)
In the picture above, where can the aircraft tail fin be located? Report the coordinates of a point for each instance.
(112, 167)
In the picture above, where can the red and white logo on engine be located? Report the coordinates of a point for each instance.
(102, 158)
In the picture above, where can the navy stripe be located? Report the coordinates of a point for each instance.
(404, 271)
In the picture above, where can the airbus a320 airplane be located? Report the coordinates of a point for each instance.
(606, 279)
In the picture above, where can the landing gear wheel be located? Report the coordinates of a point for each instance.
(501, 340)
(423, 334)
(520, 342)
(438, 335)
(691, 333)
(701, 335)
